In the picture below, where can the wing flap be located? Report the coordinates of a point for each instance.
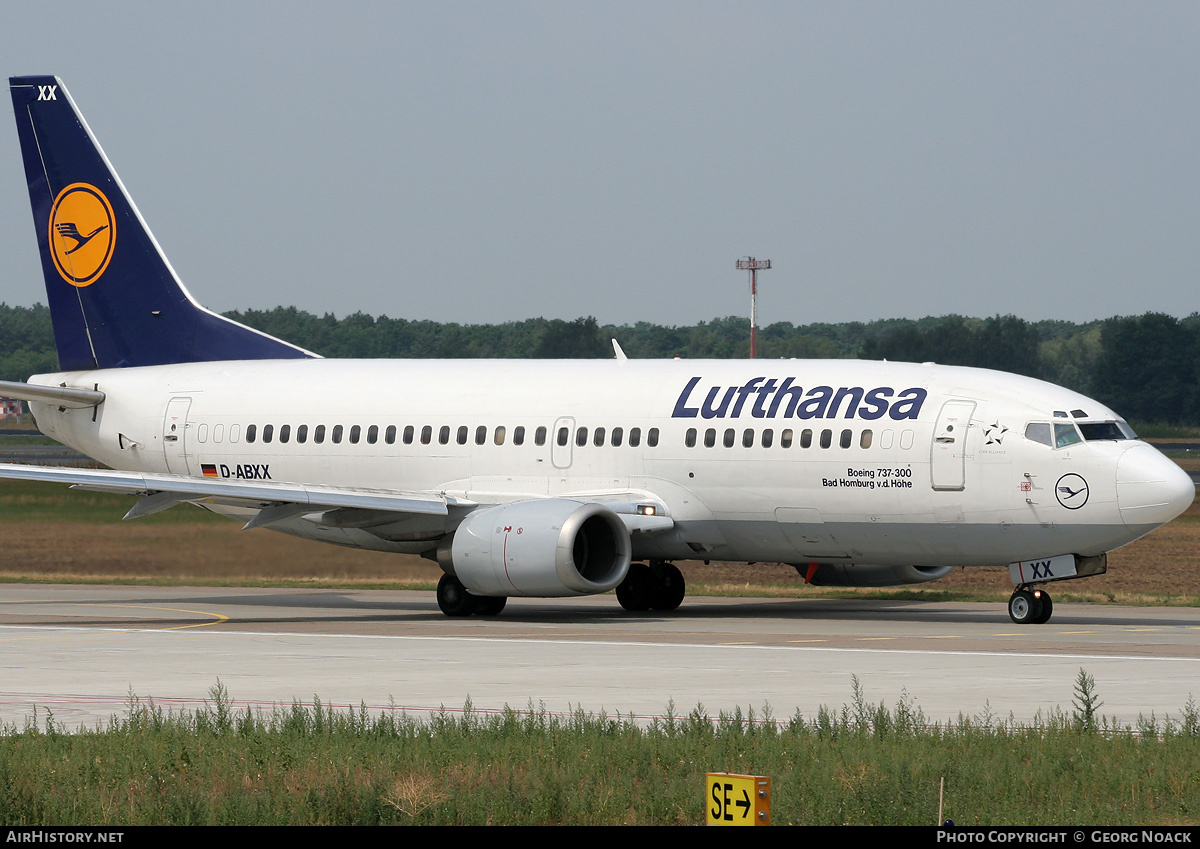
(641, 511)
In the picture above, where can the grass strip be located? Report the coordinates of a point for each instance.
(862, 763)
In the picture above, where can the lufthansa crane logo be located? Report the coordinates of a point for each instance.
(83, 232)
(1072, 491)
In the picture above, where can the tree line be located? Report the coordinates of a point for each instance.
(1146, 367)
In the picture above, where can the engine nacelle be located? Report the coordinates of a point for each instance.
(863, 575)
(545, 548)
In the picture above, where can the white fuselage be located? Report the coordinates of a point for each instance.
(831, 460)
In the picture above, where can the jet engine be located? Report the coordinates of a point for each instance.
(862, 575)
(546, 548)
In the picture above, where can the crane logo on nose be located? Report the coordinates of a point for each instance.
(1072, 491)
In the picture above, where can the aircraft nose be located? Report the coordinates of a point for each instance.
(1151, 489)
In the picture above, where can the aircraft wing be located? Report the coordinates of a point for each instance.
(276, 500)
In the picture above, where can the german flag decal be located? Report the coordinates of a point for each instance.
(209, 469)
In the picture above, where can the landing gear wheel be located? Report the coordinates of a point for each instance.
(669, 586)
(636, 591)
(1024, 607)
(453, 598)
(490, 605)
(1047, 608)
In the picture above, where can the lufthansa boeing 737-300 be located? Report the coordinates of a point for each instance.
(562, 477)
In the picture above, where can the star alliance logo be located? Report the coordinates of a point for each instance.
(994, 434)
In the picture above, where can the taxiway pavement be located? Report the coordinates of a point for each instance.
(82, 651)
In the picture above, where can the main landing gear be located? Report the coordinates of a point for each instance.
(1030, 607)
(659, 586)
(454, 600)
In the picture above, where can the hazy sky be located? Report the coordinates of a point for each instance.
(484, 162)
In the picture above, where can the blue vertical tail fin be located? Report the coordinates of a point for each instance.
(114, 299)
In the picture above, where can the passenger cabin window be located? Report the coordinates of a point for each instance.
(251, 432)
(462, 435)
(785, 438)
(319, 434)
(268, 432)
(355, 433)
(730, 436)
(806, 438)
(426, 434)
(581, 437)
(598, 437)
(372, 434)
(864, 441)
(481, 435)
(689, 438)
(652, 437)
(748, 438)
(564, 436)
(408, 434)
(500, 435)
(444, 435)
(617, 435)
(539, 436)
(389, 435)
(847, 439)
(519, 435)
(302, 434)
(768, 436)
(826, 438)
(285, 433)
(635, 437)
(336, 436)
(710, 438)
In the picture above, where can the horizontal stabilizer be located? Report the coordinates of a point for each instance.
(61, 395)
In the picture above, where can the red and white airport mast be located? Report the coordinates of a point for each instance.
(753, 266)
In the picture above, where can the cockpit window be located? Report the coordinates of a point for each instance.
(1039, 432)
(1057, 435)
(1106, 430)
(1065, 434)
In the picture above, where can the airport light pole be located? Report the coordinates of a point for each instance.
(753, 266)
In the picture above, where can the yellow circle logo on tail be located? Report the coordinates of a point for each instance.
(83, 231)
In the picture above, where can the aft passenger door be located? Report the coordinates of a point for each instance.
(175, 435)
(948, 453)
